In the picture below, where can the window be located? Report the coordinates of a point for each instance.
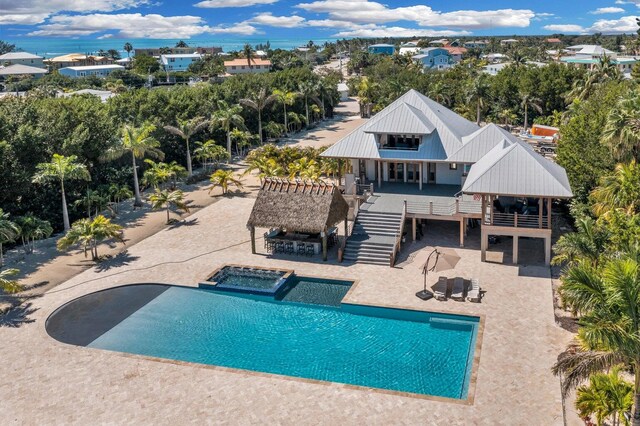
(465, 169)
(242, 67)
(453, 166)
(233, 67)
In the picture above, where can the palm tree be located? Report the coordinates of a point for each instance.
(308, 90)
(118, 193)
(32, 229)
(438, 92)
(185, 129)
(619, 191)
(607, 395)
(247, 52)
(139, 142)
(259, 101)
(242, 139)
(128, 48)
(528, 100)
(285, 98)
(587, 244)
(622, 129)
(224, 178)
(62, 168)
(209, 151)
(89, 233)
(165, 199)
(266, 167)
(607, 299)
(9, 231)
(7, 284)
(478, 93)
(227, 117)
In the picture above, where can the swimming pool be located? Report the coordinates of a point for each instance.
(400, 350)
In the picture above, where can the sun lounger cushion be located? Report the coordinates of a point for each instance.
(458, 289)
(440, 289)
(474, 293)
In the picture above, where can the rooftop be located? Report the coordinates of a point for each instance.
(18, 55)
(19, 69)
(94, 67)
(243, 61)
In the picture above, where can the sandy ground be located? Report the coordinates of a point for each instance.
(47, 267)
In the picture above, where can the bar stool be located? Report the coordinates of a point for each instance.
(279, 247)
(310, 250)
(301, 249)
(288, 247)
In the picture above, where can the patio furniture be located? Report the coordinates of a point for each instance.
(301, 249)
(266, 240)
(310, 249)
(279, 247)
(288, 247)
(440, 289)
(473, 295)
(270, 246)
(457, 293)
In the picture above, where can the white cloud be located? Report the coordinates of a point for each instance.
(277, 21)
(125, 25)
(626, 24)
(605, 10)
(565, 28)
(217, 4)
(384, 31)
(30, 12)
(241, 28)
(473, 19)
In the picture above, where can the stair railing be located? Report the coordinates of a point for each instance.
(398, 239)
(349, 230)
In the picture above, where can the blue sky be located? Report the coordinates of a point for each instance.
(185, 19)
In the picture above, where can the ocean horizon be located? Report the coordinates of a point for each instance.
(50, 46)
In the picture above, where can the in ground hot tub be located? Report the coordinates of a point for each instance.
(247, 279)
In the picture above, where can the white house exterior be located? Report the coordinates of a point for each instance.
(21, 58)
(417, 142)
(178, 62)
(86, 71)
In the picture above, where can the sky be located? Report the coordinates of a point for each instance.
(324, 19)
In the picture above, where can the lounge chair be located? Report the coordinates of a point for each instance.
(440, 289)
(458, 289)
(474, 293)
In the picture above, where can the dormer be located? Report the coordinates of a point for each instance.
(400, 128)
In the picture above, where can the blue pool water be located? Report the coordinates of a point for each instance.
(392, 349)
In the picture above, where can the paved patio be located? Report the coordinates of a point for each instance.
(45, 381)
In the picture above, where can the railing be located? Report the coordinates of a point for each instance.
(398, 239)
(362, 189)
(516, 220)
(443, 208)
(349, 230)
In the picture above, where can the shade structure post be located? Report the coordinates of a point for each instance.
(252, 230)
(346, 227)
(324, 245)
(379, 174)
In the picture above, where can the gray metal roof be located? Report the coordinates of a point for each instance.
(18, 55)
(404, 119)
(513, 168)
(19, 69)
(356, 144)
(478, 144)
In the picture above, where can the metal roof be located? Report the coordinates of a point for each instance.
(18, 55)
(401, 120)
(356, 144)
(94, 67)
(514, 168)
(19, 69)
(478, 144)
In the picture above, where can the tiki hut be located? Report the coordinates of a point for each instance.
(302, 207)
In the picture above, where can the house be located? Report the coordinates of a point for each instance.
(588, 56)
(553, 40)
(241, 66)
(508, 41)
(157, 51)
(476, 44)
(77, 60)
(434, 58)
(178, 62)
(456, 53)
(425, 162)
(439, 42)
(21, 70)
(382, 49)
(104, 95)
(495, 57)
(86, 71)
(409, 48)
(493, 69)
(21, 58)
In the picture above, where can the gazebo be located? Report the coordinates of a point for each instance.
(298, 207)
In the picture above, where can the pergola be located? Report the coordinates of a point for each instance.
(298, 206)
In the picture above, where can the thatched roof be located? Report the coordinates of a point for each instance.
(298, 206)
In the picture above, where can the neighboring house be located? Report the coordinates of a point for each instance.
(508, 41)
(21, 58)
(439, 42)
(20, 70)
(476, 44)
(448, 168)
(241, 66)
(157, 51)
(382, 49)
(179, 62)
(77, 60)
(553, 41)
(588, 56)
(495, 57)
(456, 53)
(434, 58)
(409, 48)
(102, 94)
(493, 69)
(85, 71)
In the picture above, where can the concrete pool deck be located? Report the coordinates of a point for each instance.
(45, 381)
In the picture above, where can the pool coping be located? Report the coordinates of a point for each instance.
(287, 273)
(472, 380)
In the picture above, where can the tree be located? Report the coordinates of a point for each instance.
(145, 64)
(32, 229)
(89, 234)
(258, 101)
(266, 167)
(242, 139)
(9, 231)
(622, 129)
(308, 91)
(139, 142)
(6, 47)
(607, 395)
(226, 117)
(209, 152)
(285, 98)
(166, 199)
(181, 44)
(619, 190)
(128, 48)
(478, 93)
(118, 193)
(185, 130)
(7, 284)
(527, 100)
(607, 298)
(247, 52)
(224, 178)
(113, 54)
(62, 168)
(587, 244)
